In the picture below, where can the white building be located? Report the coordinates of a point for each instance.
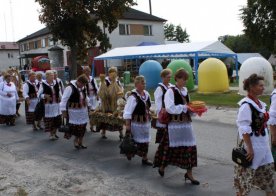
(9, 53)
(133, 28)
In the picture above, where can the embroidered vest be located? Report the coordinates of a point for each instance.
(32, 92)
(94, 87)
(74, 100)
(48, 91)
(258, 123)
(141, 111)
(163, 96)
(180, 100)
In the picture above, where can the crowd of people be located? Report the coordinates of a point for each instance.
(48, 101)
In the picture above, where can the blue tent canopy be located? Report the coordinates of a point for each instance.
(148, 44)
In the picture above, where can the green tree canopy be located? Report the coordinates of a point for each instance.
(76, 23)
(242, 44)
(175, 33)
(259, 19)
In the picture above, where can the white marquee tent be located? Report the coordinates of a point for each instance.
(194, 50)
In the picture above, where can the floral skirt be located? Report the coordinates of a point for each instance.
(184, 157)
(247, 178)
(7, 119)
(77, 130)
(52, 123)
(159, 134)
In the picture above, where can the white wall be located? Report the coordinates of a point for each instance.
(5, 61)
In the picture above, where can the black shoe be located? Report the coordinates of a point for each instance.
(161, 173)
(82, 146)
(146, 162)
(194, 182)
(77, 146)
(104, 137)
(56, 136)
(129, 157)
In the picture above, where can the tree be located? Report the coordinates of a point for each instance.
(242, 44)
(75, 23)
(259, 19)
(175, 33)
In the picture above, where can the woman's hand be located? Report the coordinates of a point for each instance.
(250, 154)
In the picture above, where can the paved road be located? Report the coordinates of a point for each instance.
(30, 161)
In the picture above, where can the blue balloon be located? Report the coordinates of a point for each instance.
(151, 71)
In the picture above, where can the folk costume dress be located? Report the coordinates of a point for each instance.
(8, 104)
(92, 91)
(178, 146)
(272, 120)
(251, 120)
(30, 91)
(137, 110)
(75, 101)
(52, 116)
(159, 96)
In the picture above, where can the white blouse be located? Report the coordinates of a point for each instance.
(26, 88)
(169, 101)
(272, 109)
(158, 93)
(131, 104)
(260, 144)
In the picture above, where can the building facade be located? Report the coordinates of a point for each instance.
(9, 53)
(133, 28)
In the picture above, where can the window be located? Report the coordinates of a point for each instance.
(43, 43)
(35, 44)
(51, 42)
(147, 30)
(8, 55)
(22, 48)
(124, 29)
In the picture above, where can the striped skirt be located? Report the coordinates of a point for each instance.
(184, 157)
(52, 123)
(4, 119)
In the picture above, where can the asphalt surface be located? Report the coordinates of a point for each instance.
(42, 167)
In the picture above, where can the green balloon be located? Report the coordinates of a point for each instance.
(177, 64)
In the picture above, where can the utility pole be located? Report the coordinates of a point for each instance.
(150, 7)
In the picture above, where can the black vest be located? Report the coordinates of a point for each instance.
(107, 82)
(94, 87)
(74, 99)
(258, 123)
(32, 92)
(163, 96)
(141, 111)
(48, 91)
(180, 100)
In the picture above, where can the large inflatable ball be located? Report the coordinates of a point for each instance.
(212, 76)
(260, 66)
(177, 64)
(151, 71)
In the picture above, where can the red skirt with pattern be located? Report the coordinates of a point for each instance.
(52, 123)
(7, 119)
(184, 157)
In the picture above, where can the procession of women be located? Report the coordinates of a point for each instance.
(67, 111)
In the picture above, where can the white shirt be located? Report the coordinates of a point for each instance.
(158, 93)
(131, 104)
(169, 101)
(272, 109)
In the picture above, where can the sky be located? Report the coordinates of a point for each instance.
(204, 20)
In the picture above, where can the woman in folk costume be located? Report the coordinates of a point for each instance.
(8, 100)
(30, 95)
(178, 146)
(74, 106)
(272, 123)
(58, 81)
(38, 83)
(252, 129)
(92, 91)
(159, 96)
(50, 92)
(136, 114)
(113, 88)
(16, 79)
